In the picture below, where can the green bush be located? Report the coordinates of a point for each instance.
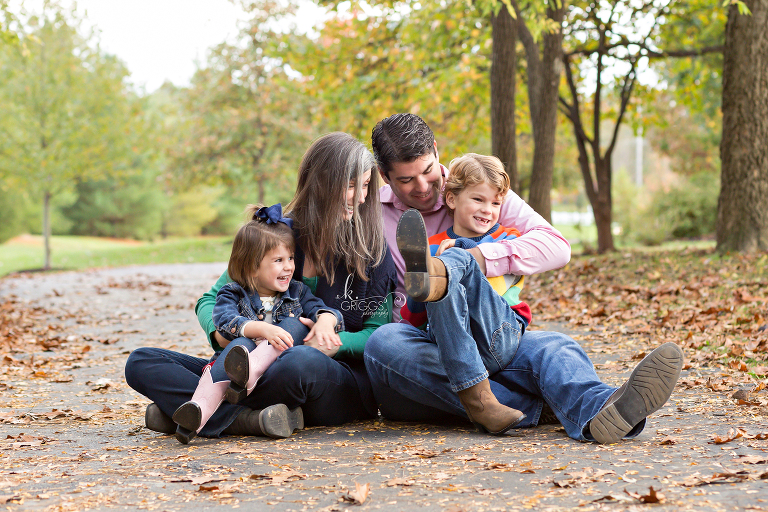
(689, 210)
(130, 207)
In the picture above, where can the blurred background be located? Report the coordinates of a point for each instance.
(137, 131)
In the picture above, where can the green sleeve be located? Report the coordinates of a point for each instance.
(204, 310)
(353, 343)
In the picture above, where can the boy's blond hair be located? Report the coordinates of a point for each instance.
(473, 169)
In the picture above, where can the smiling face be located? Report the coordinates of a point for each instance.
(475, 209)
(349, 206)
(418, 183)
(275, 271)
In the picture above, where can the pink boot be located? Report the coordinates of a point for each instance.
(244, 369)
(192, 416)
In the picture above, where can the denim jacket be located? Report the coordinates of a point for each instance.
(235, 306)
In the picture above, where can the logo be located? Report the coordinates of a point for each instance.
(349, 302)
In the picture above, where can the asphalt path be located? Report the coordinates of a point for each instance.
(72, 435)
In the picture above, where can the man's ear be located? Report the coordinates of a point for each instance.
(437, 155)
(383, 176)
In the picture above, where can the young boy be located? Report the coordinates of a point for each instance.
(478, 335)
(474, 191)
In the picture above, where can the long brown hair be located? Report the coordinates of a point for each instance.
(317, 209)
(252, 242)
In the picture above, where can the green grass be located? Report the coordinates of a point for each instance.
(75, 252)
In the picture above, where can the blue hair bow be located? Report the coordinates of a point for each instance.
(272, 215)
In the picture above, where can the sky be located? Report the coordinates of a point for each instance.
(162, 40)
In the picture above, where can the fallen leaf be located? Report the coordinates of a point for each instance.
(652, 497)
(359, 495)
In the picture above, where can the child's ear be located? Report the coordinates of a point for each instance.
(450, 200)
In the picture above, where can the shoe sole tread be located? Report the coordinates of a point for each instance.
(649, 387)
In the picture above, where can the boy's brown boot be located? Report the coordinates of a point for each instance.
(485, 411)
(426, 278)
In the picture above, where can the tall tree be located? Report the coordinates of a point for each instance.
(247, 121)
(429, 58)
(742, 213)
(542, 36)
(613, 42)
(67, 114)
(503, 85)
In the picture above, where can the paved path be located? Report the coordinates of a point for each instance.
(73, 437)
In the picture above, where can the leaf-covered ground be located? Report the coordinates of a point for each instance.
(73, 437)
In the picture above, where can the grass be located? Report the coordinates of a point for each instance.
(26, 252)
(76, 252)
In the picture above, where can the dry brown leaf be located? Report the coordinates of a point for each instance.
(653, 496)
(359, 495)
(732, 435)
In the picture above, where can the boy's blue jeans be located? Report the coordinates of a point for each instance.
(475, 330)
(414, 378)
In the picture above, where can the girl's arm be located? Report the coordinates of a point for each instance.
(204, 311)
(353, 343)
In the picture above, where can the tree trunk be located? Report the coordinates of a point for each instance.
(503, 83)
(742, 210)
(603, 204)
(47, 228)
(543, 91)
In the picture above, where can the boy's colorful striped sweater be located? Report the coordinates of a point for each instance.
(509, 286)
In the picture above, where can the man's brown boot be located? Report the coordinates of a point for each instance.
(426, 278)
(485, 411)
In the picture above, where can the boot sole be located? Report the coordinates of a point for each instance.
(413, 244)
(237, 366)
(484, 430)
(649, 387)
(279, 422)
(188, 418)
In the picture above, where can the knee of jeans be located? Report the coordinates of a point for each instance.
(380, 341)
(302, 360)
(134, 365)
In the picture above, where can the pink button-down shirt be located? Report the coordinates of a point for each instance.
(539, 248)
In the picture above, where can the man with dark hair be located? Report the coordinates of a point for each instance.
(549, 374)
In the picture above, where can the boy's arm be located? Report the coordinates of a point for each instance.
(539, 248)
(204, 310)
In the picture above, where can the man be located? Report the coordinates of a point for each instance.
(548, 369)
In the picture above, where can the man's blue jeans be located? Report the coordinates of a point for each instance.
(475, 330)
(411, 383)
(328, 391)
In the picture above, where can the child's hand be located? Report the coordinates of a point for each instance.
(445, 245)
(324, 331)
(276, 336)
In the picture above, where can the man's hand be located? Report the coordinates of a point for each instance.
(475, 251)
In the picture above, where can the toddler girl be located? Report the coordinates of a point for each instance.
(258, 312)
